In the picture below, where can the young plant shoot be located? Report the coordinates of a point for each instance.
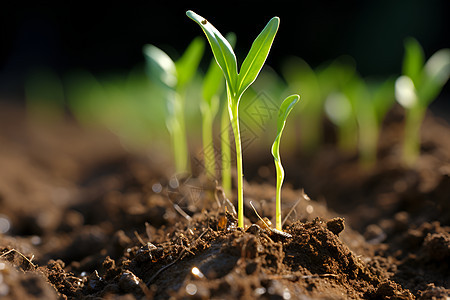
(370, 102)
(213, 84)
(174, 78)
(285, 108)
(418, 86)
(237, 83)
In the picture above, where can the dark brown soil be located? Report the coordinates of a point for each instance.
(83, 219)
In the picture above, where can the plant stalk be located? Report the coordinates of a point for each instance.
(234, 117)
(209, 157)
(179, 136)
(280, 178)
(226, 151)
(411, 145)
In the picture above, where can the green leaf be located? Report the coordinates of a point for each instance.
(414, 60)
(285, 108)
(383, 98)
(187, 65)
(222, 50)
(435, 76)
(257, 55)
(213, 81)
(160, 66)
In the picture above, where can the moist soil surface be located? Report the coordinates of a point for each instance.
(81, 218)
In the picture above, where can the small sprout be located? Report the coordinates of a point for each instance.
(285, 108)
(174, 78)
(370, 101)
(237, 83)
(316, 86)
(418, 86)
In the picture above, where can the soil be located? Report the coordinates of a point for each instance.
(81, 218)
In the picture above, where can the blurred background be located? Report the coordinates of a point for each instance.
(109, 37)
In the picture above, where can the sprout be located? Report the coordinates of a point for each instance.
(370, 102)
(316, 86)
(212, 89)
(300, 76)
(174, 78)
(418, 86)
(285, 108)
(237, 83)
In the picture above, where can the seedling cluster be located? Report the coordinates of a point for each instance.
(356, 106)
(237, 83)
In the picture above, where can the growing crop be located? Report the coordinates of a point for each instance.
(316, 86)
(285, 108)
(419, 85)
(300, 76)
(174, 78)
(237, 83)
(369, 102)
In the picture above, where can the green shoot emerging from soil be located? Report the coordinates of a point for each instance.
(419, 85)
(174, 77)
(285, 108)
(236, 82)
(370, 101)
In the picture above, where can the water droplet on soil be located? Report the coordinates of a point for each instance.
(173, 183)
(191, 289)
(5, 225)
(35, 240)
(157, 188)
(260, 291)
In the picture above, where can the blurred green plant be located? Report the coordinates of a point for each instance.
(285, 108)
(370, 101)
(174, 78)
(317, 86)
(300, 76)
(237, 83)
(418, 86)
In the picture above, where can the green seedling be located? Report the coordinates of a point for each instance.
(237, 83)
(300, 76)
(225, 150)
(369, 102)
(316, 86)
(285, 108)
(174, 77)
(339, 111)
(419, 85)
